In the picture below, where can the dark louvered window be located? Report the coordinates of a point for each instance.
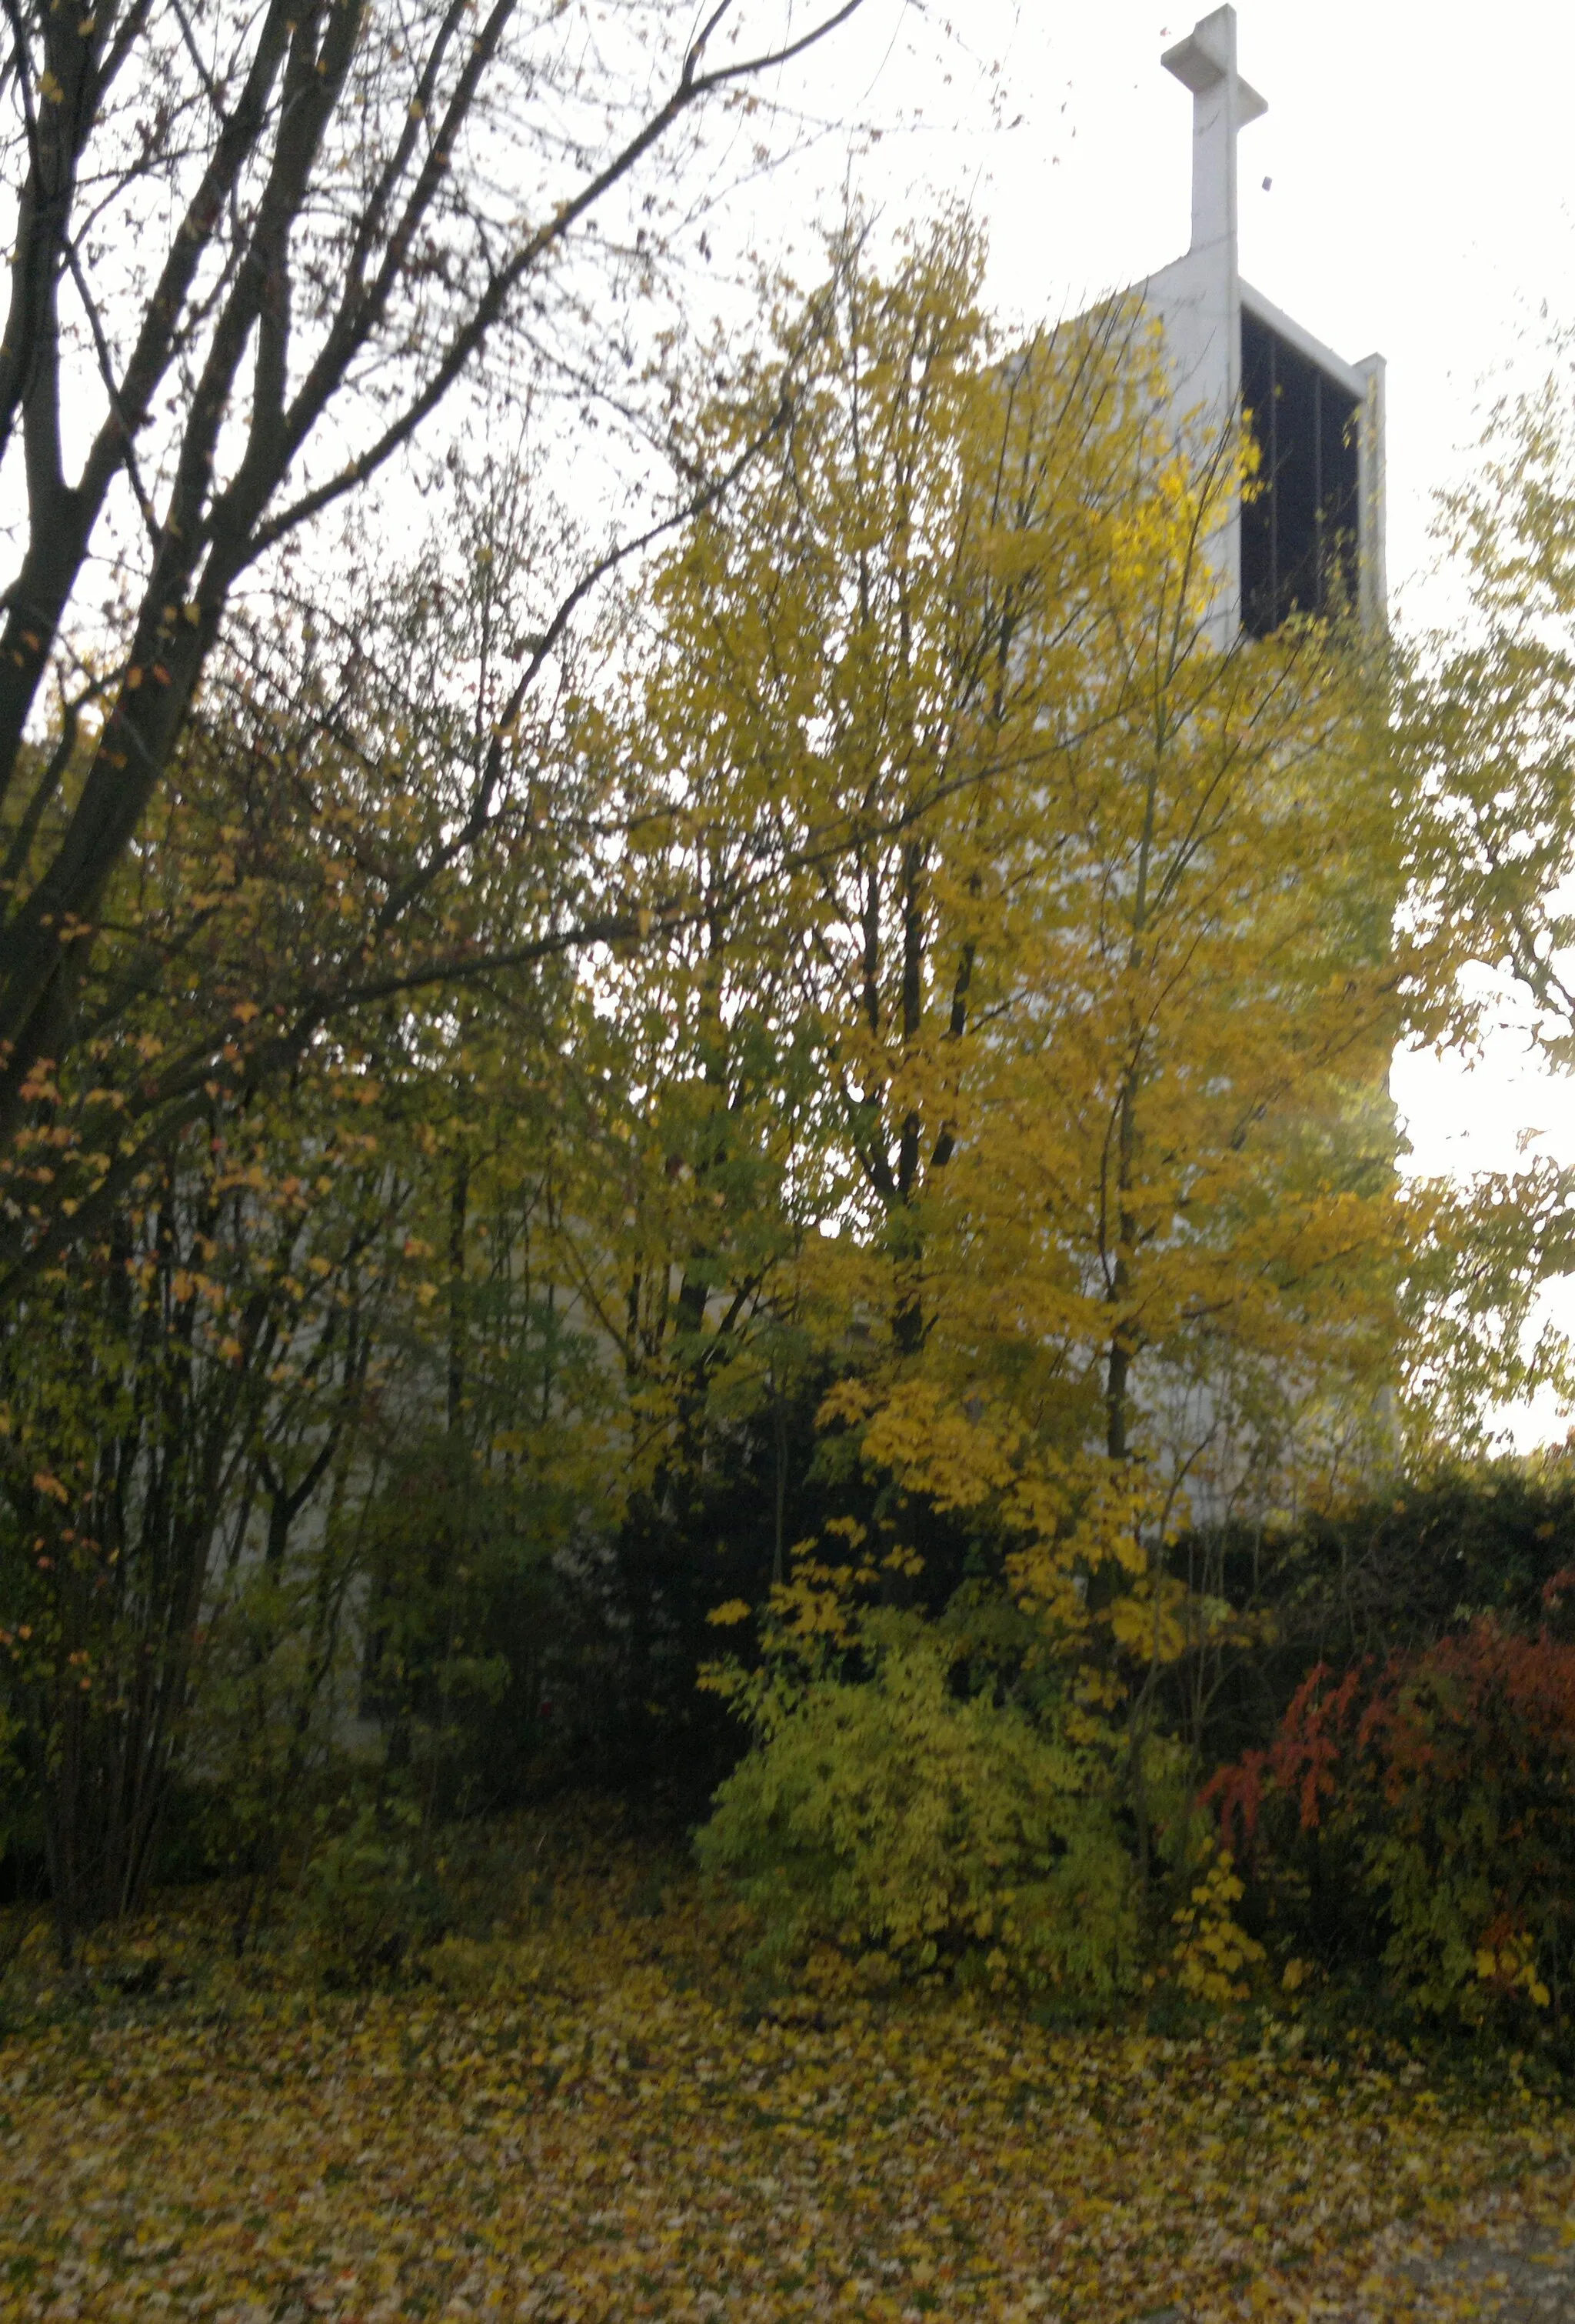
(1299, 520)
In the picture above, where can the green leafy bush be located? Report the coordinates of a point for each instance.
(1446, 1778)
(366, 1907)
(891, 1817)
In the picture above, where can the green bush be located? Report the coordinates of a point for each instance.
(892, 1818)
(366, 1907)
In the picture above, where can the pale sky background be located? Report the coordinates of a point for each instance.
(1420, 203)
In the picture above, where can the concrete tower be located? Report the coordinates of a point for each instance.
(1311, 536)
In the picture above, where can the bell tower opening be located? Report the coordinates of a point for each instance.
(1300, 514)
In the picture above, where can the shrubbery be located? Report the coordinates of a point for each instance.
(911, 1826)
(1412, 1821)
(1439, 1789)
(366, 1904)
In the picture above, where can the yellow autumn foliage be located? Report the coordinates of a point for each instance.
(590, 2112)
(1088, 929)
(904, 1824)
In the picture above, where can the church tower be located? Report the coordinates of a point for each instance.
(1309, 536)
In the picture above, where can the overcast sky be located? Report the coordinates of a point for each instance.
(1411, 190)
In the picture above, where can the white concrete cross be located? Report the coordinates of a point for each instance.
(1222, 103)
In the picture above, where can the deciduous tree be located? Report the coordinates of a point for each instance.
(252, 257)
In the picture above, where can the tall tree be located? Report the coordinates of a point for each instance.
(252, 256)
(1486, 718)
(274, 1300)
(174, 1395)
(1488, 715)
(1090, 922)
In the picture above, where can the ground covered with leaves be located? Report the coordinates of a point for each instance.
(589, 2112)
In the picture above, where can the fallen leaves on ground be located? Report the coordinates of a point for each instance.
(592, 2121)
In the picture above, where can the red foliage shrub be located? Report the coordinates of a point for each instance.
(1303, 1762)
(1450, 1772)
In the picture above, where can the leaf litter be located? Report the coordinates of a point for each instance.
(595, 2116)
